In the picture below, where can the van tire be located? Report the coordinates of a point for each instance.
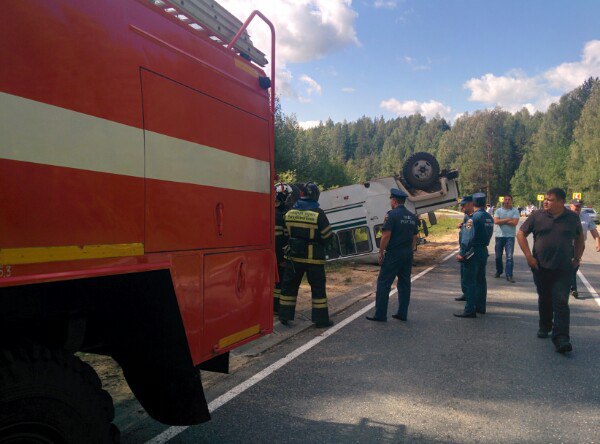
(52, 396)
(421, 170)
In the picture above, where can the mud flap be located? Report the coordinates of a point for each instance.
(218, 364)
(172, 396)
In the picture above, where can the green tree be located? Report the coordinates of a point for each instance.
(583, 170)
(430, 134)
(544, 165)
(286, 135)
(479, 146)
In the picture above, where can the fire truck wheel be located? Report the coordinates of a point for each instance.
(421, 170)
(52, 397)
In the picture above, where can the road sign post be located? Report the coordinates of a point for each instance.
(540, 198)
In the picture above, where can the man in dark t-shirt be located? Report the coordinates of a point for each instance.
(557, 248)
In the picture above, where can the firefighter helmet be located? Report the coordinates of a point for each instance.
(312, 191)
(282, 191)
(287, 194)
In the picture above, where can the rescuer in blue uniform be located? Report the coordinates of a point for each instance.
(398, 240)
(466, 206)
(475, 238)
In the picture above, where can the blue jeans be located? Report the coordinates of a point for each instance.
(395, 263)
(505, 244)
(553, 300)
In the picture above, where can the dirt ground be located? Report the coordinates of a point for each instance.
(341, 278)
(344, 277)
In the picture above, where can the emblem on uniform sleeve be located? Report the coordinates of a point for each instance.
(469, 224)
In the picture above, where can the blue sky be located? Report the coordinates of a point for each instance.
(343, 59)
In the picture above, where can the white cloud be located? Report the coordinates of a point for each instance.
(348, 89)
(284, 83)
(309, 124)
(510, 92)
(312, 85)
(386, 4)
(426, 109)
(570, 75)
(516, 90)
(306, 30)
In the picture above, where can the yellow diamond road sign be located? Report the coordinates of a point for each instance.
(540, 197)
(576, 195)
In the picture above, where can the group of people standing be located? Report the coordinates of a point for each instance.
(476, 230)
(558, 244)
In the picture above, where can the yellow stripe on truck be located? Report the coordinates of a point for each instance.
(36, 255)
(239, 336)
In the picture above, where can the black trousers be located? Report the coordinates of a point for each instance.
(574, 279)
(396, 263)
(292, 277)
(553, 300)
(277, 289)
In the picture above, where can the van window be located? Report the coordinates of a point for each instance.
(361, 240)
(349, 242)
(332, 251)
(377, 232)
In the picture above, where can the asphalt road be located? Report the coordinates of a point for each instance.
(435, 378)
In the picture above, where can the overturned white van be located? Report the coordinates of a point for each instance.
(356, 212)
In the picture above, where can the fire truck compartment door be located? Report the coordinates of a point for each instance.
(237, 297)
(207, 170)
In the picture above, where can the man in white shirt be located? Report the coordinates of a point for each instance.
(506, 219)
(588, 225)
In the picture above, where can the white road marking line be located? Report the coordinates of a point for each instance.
(454, 253)
(589, 287)
(171, 432)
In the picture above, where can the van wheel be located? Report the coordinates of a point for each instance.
(421, 170)
(50, 396)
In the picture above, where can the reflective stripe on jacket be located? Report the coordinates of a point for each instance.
(309, 232)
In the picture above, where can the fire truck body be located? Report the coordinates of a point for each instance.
(135, 193)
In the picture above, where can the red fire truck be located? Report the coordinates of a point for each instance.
(136, 207)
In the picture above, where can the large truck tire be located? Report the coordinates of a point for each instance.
(421, 170)
(52, 396)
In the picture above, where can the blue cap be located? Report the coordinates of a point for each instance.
(466, 199)
(479, 199)
(395, 192)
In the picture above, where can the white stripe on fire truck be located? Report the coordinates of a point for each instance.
(36, 132)
(32, 131)
(203, 165)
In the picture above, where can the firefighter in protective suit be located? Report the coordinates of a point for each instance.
(285, 196)
(309, 232)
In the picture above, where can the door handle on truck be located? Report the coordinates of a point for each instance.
(241, 278)
(219, 216)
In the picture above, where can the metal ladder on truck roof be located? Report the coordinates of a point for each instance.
(212, 18)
